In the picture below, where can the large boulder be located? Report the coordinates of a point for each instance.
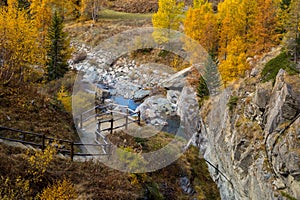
(188, 110)
(177, 81)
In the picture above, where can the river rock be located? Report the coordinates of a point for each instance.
(172, 96)
(155, 107)
(141, 94)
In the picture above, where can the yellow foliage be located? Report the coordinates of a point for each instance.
(21, 59)
(201, 25)
(232, 24)
(63, 190)
(65, 98)
(263, 33)
(168, 16)
(39, 162)
(235, 65)
(14, 189)
(176, 62)
(136, 179)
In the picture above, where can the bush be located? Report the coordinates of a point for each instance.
(232, 102)
(65, 99)
(63, 190)
(202, 90)
(282, 61)
(39, 163)
(16, 189)
(163, 53)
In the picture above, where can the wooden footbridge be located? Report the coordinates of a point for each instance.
(93, 127)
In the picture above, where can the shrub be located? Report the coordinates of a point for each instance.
(202, 90)
(39, 162)
(232, 102)
(282, 61)
(63, 190)
(65, 99)
(163, 53)
(16, 189)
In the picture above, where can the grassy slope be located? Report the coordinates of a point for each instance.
(29, 109)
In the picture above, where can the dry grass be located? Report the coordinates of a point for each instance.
(95, 181)
(109, 24)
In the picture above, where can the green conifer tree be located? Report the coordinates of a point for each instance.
(58, 51)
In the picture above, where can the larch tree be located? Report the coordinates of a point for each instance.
(168, 16)
(248, 12)
(235, 65)
(232, 19)
(231, 24)
(58, 50)
(41, 13)
(201, 25)
(20, 57)
(264, 31)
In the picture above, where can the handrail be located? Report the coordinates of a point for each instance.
(71, 152)
(17, 130)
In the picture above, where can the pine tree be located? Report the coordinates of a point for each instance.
(58, 51)
(168, 16)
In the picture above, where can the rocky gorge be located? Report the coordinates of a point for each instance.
(249, 132)
(156, 90)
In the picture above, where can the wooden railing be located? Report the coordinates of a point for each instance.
(123, 113)
(70, 148)
(65, 147)
(111, 109)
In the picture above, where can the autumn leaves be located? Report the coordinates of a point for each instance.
(236, 29)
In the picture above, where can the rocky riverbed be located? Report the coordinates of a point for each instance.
(155, 88)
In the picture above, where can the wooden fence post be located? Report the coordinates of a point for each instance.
(43, 142)
(72, 150)
(105, 148)
(24, 137)
(126, 118)
(99, 126)
(139, 117)
(111, 125)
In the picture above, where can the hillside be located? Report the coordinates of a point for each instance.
(158, 99)
(36, 108)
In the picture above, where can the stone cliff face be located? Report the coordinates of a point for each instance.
(251, 132)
